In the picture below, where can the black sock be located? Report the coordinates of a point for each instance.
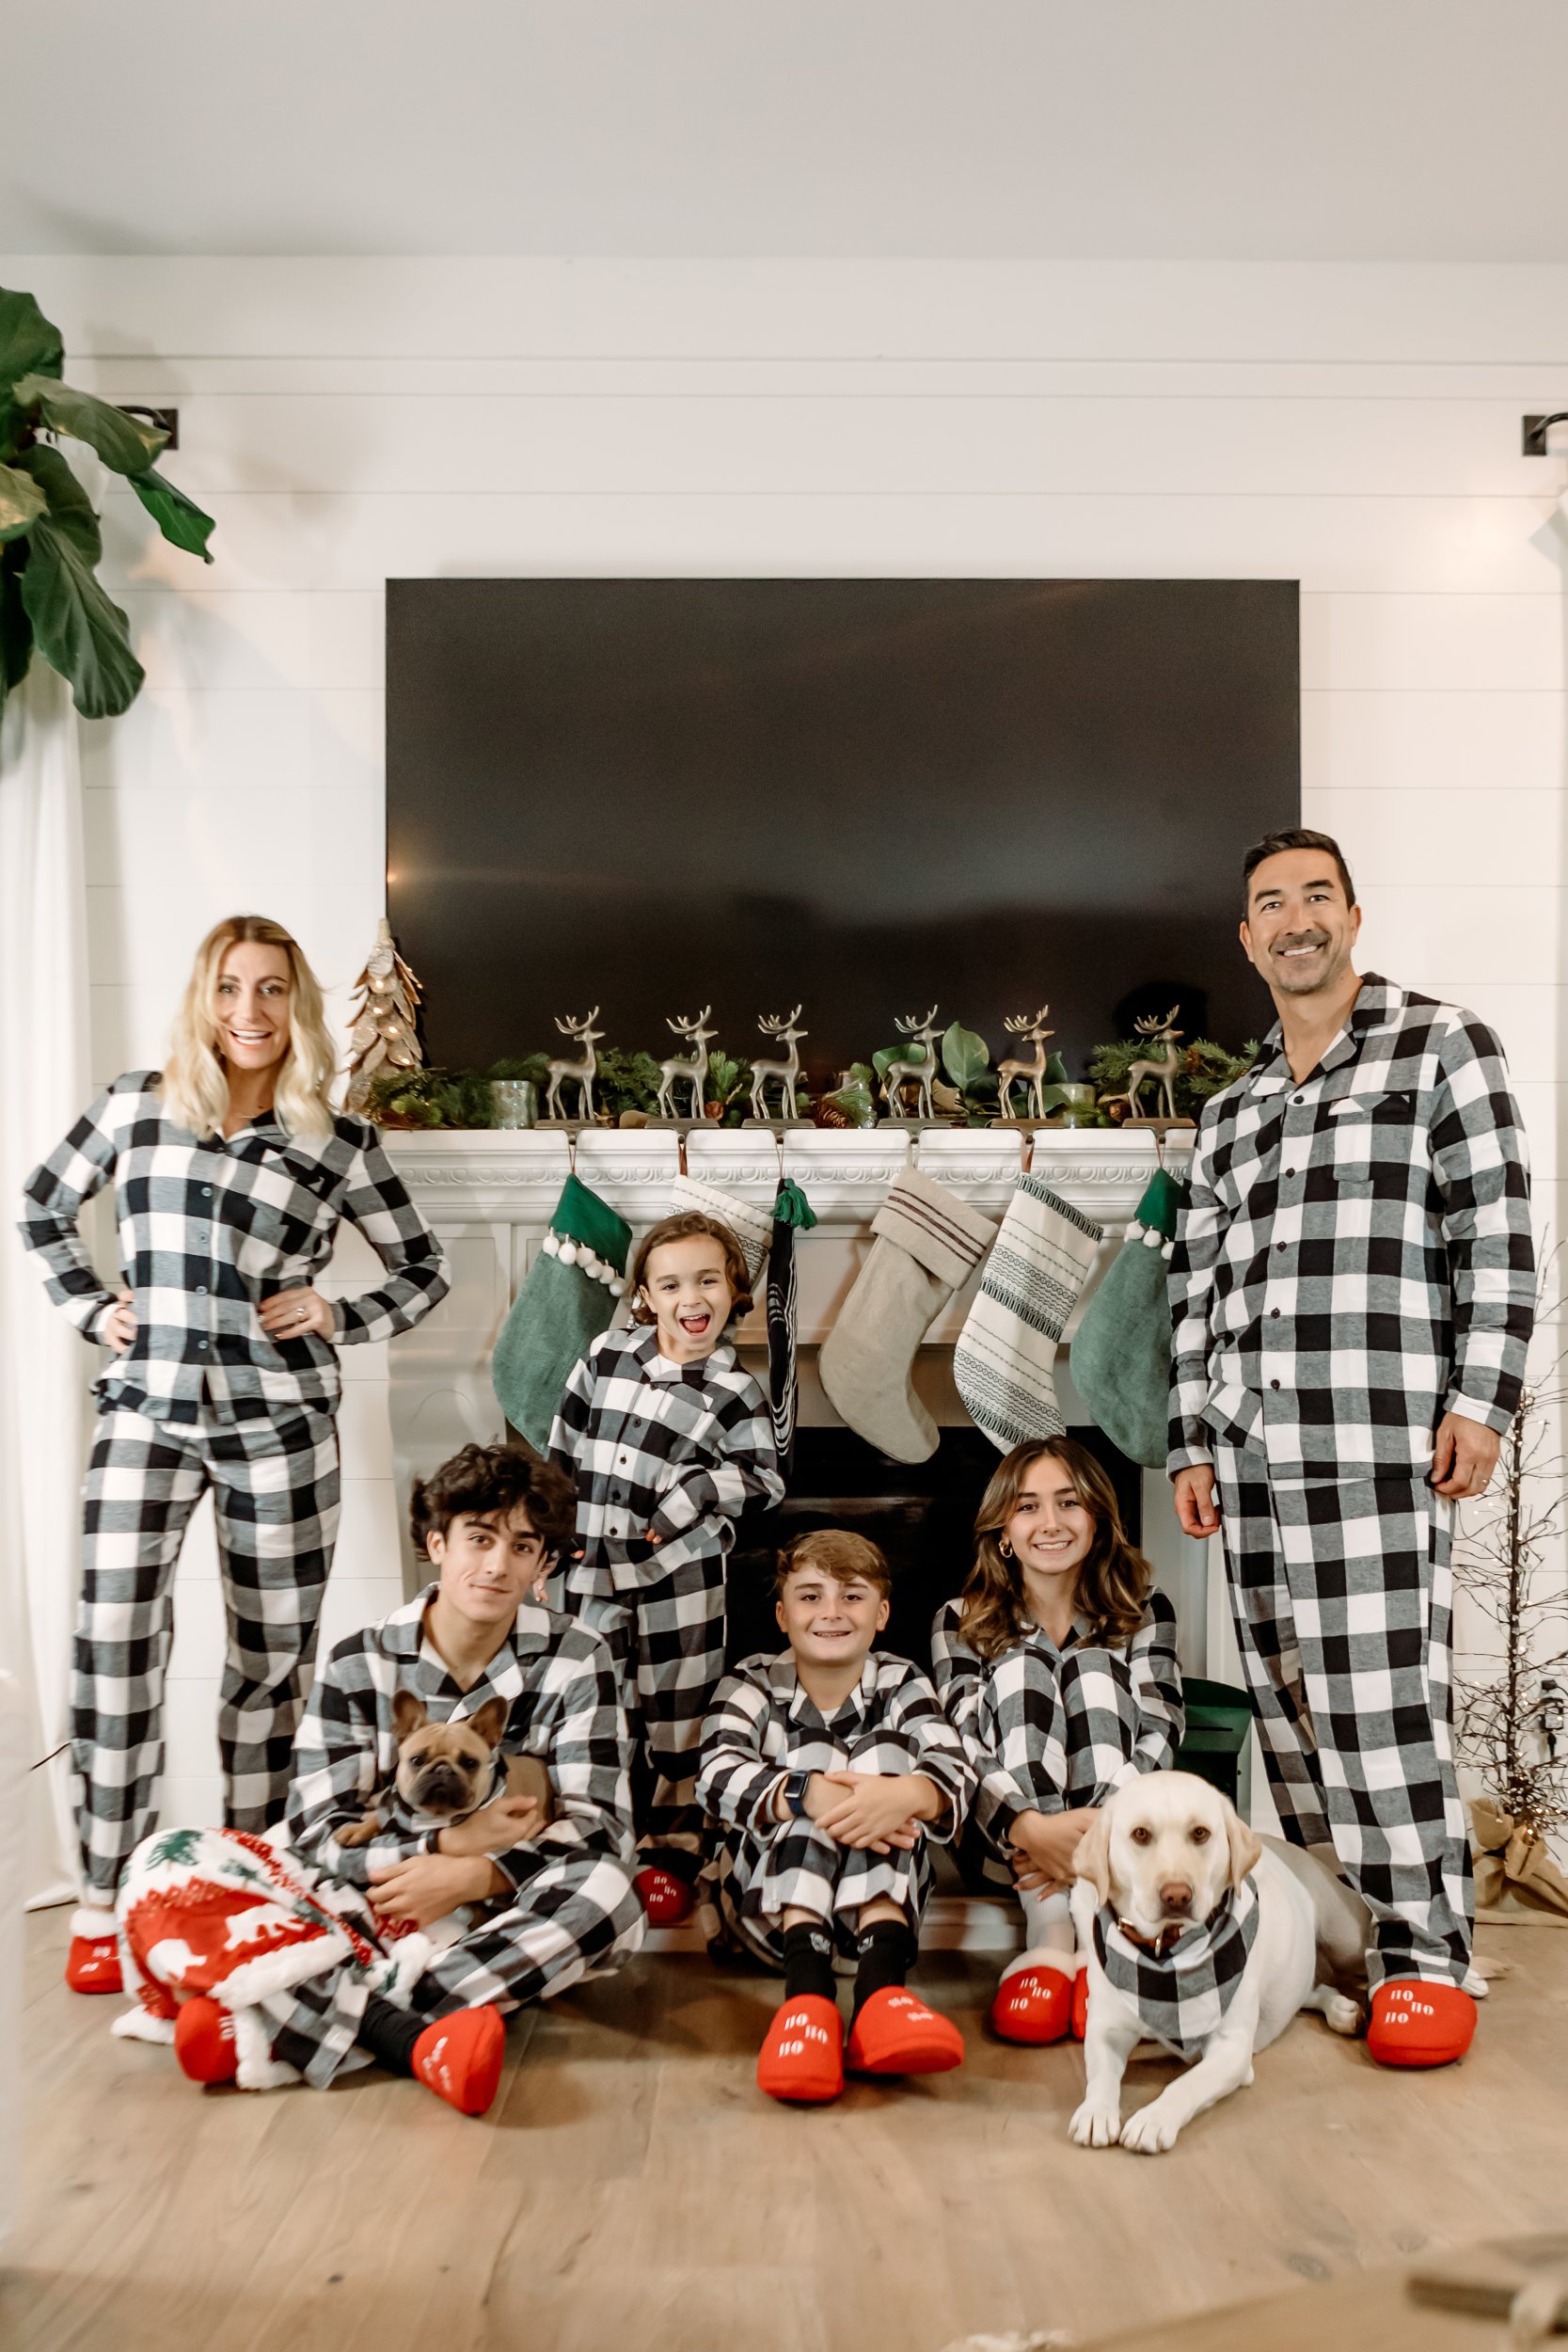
(390, 2034)
(884, 1954)
(808, 1957)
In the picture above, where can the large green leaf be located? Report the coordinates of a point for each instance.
(965, 1055)
(29, 345)
(79, 631)
(16, 629)
(124, 443)
(20, 503)
(70, 508)
(177, 516)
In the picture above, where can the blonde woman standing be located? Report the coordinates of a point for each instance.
(232, 1174)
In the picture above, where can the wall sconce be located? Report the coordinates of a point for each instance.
(1533, 433)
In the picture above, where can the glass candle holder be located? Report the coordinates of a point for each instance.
(516, 1101)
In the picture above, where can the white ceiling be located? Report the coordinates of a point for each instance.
(1262, 130)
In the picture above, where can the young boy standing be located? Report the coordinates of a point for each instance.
(827, 1768)
(667, 1440)
(527, 1905)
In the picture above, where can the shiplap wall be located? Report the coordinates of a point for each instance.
(1354, 429)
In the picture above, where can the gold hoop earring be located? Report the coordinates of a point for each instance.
(1005, 1548)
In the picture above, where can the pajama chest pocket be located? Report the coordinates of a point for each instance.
(1372, 1144)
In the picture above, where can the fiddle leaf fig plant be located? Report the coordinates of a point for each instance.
(50, 598)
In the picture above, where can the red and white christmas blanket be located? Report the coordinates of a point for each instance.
(242, 1919)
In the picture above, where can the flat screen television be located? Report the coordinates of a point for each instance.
(869, 797)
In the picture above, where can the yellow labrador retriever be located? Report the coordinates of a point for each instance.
(1202, 1936)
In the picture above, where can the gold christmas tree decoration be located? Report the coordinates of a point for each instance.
(384, 1034)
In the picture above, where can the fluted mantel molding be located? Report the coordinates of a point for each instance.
(515, 1177)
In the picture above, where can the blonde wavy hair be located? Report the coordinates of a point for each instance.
(1113, 1582)
(195, 1080)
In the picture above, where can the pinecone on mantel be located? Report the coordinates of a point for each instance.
(386, 1019)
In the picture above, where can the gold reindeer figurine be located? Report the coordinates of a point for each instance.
(581, 1074)
(1032, 1072)
(1164, 1033)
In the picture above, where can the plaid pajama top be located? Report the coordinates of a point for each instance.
(559, 1684)
(674, 1450)
(1354, 1258)
(209, 1228)
(763, 1726)
(1013, 1732)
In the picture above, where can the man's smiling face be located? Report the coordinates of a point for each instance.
(1300, 931)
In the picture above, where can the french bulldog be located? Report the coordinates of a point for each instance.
(446, 1770)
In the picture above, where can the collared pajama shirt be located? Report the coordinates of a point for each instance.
(1356, 1258)
(208, 1229)
(558, 1682)
(675, 1450)
(1048, 1729)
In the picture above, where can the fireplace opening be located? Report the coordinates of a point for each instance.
(921, 1515)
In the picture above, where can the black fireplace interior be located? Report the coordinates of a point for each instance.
(921, 1515)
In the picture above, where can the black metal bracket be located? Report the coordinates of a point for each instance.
(1533, 438)
(165, 420)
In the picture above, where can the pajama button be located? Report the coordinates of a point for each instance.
(202, 1290)
(1273, 1384)
(1273, 1313)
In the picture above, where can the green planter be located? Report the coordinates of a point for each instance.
(1217, 1744)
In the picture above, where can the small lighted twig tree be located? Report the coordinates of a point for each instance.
(1512, 1711)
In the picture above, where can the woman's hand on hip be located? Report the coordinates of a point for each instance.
(118, 1328)
(288, 1314)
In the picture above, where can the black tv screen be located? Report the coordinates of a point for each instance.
(866, 796)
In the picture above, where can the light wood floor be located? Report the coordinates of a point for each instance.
(631, 2187)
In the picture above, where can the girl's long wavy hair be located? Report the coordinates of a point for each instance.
(1112, 1581)
(195, 1081)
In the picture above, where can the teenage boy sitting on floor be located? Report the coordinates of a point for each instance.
(535, 1905)
(827, 1768)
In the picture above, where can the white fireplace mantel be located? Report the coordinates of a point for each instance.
(515, 1176)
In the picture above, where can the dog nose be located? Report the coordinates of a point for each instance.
(1175, 1895)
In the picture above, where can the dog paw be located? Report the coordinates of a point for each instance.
(1095, 2126)
(1148, 2133)
(1342, 2015)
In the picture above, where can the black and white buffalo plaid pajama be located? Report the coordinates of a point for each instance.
(206, 1230)
(762, 1728)
(1049, 1729)
(673, 1452)
(573, 1910)
(1354, 1262)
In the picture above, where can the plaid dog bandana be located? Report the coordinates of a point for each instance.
(1182, 1994)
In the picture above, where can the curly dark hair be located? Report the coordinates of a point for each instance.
(683, 1226)
(495, 1478)
(1113, 1583)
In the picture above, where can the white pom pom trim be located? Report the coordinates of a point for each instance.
(551, 1245)
(1133, 1232)
(1153, 1239)
(567, 1253)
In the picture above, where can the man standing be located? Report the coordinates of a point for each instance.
(1352, 1292)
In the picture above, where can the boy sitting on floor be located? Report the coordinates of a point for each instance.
(318, 1956)
(826, 1769)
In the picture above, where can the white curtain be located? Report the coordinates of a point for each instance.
(44, 1086)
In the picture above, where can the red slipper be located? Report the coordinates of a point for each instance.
(93, 1963)
(802, 2058)
(896, 2034)
(668, 1900)
(459, 2057)
(1034, 2004)
(1417, 2023)
(204, 2042)
(1080, 2004)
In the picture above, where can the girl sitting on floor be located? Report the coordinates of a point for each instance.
(1057, 1663)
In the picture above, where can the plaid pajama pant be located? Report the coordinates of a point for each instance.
(275, 1493)
(797, 1867)
(578, 1914)
(1342, 1596)
(668, 1643)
